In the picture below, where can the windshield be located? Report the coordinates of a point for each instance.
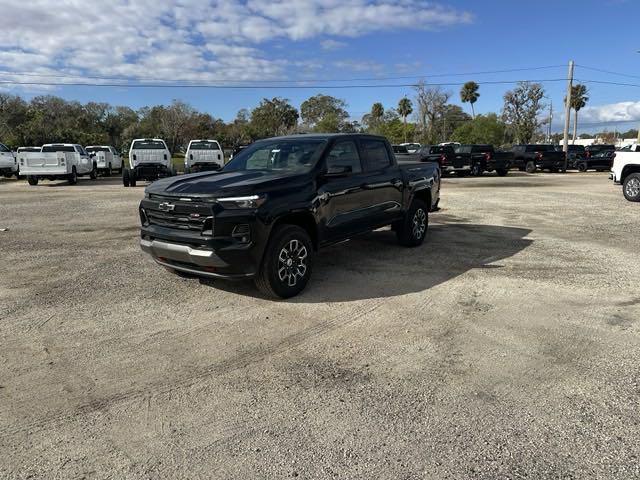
(148, 145)
(97, 149)
(400, 149)
(28, 149)
(204, 146)
(290, 155)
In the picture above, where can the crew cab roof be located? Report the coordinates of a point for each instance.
(61, 145)
(325, 136)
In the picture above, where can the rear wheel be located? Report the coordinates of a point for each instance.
(502, 172)
(108, 171)
(288, 260)
(476, 170)
(93, 174)
(582, 167)
(631, 187)
(33, 180)
(413, 230)
(530, 167)
(73, 177)
(126, 177)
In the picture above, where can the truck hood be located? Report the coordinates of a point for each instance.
(217, 184)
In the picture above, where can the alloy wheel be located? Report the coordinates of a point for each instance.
(632, 188)
(292, 262)
(419, 223)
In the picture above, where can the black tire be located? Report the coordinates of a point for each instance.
(126, 177)
(108, 171)
(288, 258)
(530, 167)
(132, 178)
(476, 170)
(33, 180)
(582, 167)
(461, 173)
(631, 187)
(413, 229)
(93, 174)
(502, 172)
(73, 176)
(187, 170)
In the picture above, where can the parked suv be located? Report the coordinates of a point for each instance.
(268, 211)
(149, 159)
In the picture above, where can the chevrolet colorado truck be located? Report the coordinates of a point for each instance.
(484, 158)
(626, 171)
(266, 213)
(531, 158)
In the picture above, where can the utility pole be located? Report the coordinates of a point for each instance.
(567, 116)
(550, 118)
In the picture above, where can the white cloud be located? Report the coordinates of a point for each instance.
(613, 112)
(331, 44)
(193, 39)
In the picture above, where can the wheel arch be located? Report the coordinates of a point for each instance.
(302, 219)
(628, 170)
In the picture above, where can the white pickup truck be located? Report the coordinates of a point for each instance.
(57, 161)
(626, 170)
(203, 155)
(149, 159)
(8, 164)
(106, 158)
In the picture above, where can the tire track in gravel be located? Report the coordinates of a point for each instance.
(231, 364)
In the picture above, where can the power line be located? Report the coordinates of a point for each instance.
(258, 87)
(153, 79)
(608, 71)
(619, 84)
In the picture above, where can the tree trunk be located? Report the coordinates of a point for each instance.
(575, 126)
(405, 129)
(473, 111)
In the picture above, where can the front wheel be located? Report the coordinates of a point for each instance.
(126, 177)
(33, 180)
(476, 170)
(530, 167)
(582, 167)
(413, 229)
(631, 187)
(287, 263)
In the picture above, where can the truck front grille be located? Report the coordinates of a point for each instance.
(180, 221)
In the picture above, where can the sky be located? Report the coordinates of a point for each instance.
(271, 46)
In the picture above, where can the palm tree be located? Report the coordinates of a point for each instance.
(377, 112)
(579, 98)
(469, 93)
(405, 108)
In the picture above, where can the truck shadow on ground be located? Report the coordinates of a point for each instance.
(375, 266)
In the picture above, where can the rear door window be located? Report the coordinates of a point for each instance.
(375, 154)
(344, 154)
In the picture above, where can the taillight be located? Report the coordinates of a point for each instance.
(487, 156)
(588, 154)
(538, 155)
(443, 160)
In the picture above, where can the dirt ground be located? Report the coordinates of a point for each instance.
(507, 346)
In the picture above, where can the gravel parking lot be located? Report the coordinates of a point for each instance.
(507, 346)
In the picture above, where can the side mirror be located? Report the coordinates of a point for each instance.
(338, 171)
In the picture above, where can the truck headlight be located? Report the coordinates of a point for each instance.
(248, 202)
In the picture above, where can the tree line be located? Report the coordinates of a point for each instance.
(49, 119)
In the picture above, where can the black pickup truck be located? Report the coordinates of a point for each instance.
(530, 158)
(484, 158)
(267, 212)
(440, 154)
